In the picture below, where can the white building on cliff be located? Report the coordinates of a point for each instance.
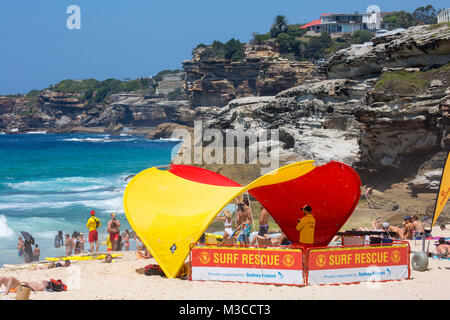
(444, 16)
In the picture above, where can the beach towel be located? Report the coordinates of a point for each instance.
(56, 286)
(436, 257)
(153, 270)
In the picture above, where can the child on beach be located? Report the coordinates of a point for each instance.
(126, 239)
(69, 245)
(108, 244)
(82, 242)
(20, 247)
(36, 252)
(139, 244)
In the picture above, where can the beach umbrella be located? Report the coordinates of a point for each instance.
(27, 236)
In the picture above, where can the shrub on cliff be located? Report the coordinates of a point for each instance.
(361, 36)
(234, 50)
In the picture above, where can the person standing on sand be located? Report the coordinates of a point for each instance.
(82, 242)
(263, 222)
(244, 216)
(227, 224)
(306, 226)
(126, 239)
(36, 252)
(93, 224)
(20, 247)
(69, 245)
(114, 232)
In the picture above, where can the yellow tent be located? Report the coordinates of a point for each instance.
(170, 209)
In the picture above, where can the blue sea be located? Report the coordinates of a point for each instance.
(51, 182)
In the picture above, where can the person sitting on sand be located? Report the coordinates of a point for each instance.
(393, 229)
(12, 283)
(418, 227)
(20, 246)
(267, 240)
(408, 228)
(442, 226)
(139, 244)
(443, 249)
(377, 224)
(36, 252)
(227, 223)
(69, 245)
(143, 255)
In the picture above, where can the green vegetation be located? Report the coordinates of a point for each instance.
(95, 91)
(177, 94)
(407, 83)
(231, 50)
(403, 19)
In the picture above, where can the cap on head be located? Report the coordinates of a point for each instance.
(307, 208)
(407, 218)
(93, 213)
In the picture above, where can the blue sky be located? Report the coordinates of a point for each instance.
(129, 39)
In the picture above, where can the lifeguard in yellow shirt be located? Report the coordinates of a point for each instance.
(306, 226)
(92, 224)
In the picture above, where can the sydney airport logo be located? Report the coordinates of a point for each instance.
(231, 146)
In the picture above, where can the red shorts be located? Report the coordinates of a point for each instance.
(93, 236)
(113, 236)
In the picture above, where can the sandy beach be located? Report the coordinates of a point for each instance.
(95, 280)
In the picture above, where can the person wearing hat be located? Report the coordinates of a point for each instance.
(93, 224)
(306, 227)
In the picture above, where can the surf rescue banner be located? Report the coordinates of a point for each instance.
(358, 264)
(270, 266)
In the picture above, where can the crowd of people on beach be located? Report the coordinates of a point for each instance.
(75, 244)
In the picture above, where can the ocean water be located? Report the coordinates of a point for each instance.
(51, 182)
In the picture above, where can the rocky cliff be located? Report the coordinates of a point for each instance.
(383, 109)
(215, 82)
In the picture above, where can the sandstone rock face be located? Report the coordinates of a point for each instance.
(263, 72)
(420, 46)
(315, 120)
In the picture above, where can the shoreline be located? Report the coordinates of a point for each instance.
(95, 280)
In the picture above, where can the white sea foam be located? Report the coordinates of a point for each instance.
(37, 132)
(167, 140)
(5, 231)
(69, 184)
(87, 140)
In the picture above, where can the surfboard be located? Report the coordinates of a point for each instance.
(81, 258)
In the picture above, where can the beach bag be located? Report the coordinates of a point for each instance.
(23, 292)
(56, 286)
(153, 270)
